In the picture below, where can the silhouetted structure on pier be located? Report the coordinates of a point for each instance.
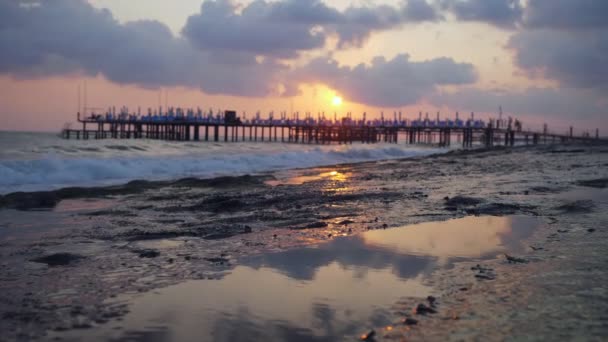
(187, 125)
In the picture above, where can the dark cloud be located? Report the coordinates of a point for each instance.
(261, 28)
(394, 83)
(500, 13)
(575, 59)
(557, 102)
(69, 36)
(285, 28)
(420, 10)
(567, 14)
(566, 41)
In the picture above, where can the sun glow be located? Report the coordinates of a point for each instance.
(337, 101)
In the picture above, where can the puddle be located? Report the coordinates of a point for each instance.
(329, 292)
(160, 243)
(76, 205)
(291, 179)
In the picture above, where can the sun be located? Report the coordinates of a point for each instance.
(337, 101)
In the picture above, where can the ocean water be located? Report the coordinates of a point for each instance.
(44, 161)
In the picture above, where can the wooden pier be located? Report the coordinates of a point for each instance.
(178, 125)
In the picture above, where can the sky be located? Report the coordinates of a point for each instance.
(543, 61)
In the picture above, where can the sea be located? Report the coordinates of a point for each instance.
(45, 161)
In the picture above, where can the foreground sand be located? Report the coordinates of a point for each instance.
(105, 241)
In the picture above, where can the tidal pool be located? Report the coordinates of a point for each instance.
(329, 292)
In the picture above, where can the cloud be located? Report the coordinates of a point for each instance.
(567, 14)
(574, 59)
(282, 29)
(500, 13)
(566, 41)
(556, 102)
(387, 83)
(70, 36)
(261, 28)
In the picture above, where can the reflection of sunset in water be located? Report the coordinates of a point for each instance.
(336, 176)
(466, 237)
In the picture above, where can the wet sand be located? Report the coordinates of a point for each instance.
(78, 267)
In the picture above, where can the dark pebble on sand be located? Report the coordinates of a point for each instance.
(217, 260)
(147, 253)
(462, 201)
(591, 230)
(483, 276)
(410, 321)
(319, 224)
(422, 309)
(247, 230)
(346, 222)
(58, 259)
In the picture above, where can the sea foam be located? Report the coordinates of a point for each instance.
(102, 163)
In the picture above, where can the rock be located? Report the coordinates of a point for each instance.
(599, 183)
(591, 230)
(485, 276)
(577, 207)
(431, 300)
(515, 260)
(319, 224)
(147, 253)
(58, 259)
(384, 225)
(30, 200)
(247, 230)
(462, 201)
(217, 260)
(499, 209)
(422, 309)
(409, 321)
(369, 336)
(346, 222)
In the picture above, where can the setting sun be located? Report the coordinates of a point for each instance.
(337, 101)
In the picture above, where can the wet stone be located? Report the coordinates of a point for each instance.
(599, 183)
(577, 207)
(515, 260)
(58, 259)
(409, 321)
(462, 201)
(422, 309)
(314, 225)
(147, 253)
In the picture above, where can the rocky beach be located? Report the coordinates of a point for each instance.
(521, 254)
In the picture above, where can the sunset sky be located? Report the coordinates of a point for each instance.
(541, 60)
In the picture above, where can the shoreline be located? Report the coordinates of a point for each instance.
(401, 192)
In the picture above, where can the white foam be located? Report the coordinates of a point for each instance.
(96, 164)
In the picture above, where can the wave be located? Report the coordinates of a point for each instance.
(52, 171)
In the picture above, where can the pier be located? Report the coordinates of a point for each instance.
(225, 126)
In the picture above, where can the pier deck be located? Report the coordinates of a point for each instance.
(228, 128)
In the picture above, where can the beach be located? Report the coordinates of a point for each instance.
(499, 244)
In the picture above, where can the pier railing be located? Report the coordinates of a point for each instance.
(227, 127)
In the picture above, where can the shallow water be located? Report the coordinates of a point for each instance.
(43, 161)
(333, 291)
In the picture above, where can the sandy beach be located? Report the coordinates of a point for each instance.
(90, 258)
